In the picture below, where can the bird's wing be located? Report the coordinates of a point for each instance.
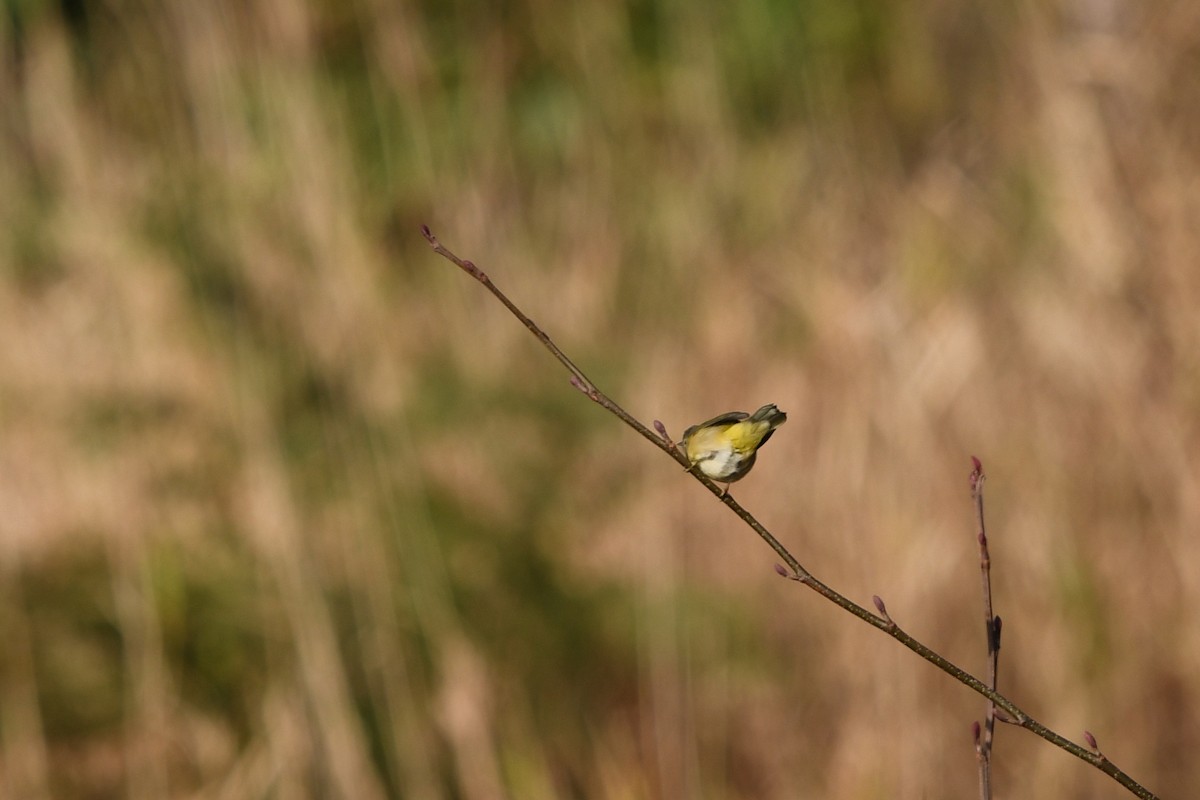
(724, 419)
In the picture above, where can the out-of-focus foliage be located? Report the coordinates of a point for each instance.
(294, 509)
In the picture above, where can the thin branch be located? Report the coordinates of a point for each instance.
(983, 745)
(797, 572)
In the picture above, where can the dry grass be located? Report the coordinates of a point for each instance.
(292, 509)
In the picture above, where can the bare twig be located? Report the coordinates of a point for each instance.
(797, 572)
(983, 744)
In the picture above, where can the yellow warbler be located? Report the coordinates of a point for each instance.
(725, 447)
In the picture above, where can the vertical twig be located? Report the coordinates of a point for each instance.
(983, 744)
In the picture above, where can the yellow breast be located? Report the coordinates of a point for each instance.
(721, 452)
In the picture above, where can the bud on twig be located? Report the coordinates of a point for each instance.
(976, 473)
(882, 609)
(1091, 741)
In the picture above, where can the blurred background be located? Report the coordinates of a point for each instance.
(293, 508)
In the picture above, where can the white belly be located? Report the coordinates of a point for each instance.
(720, 464)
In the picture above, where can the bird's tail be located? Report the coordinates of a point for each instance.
(769, 414)
(761, 426)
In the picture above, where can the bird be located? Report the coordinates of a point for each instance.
(725, 447)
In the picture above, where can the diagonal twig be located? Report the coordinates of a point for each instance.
(883, 622)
